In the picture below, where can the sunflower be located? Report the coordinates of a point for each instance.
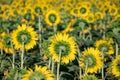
(105, 7)
(75, 12)
(91, 59)
(25, 35)
(84, 10)
(104, 46)
(116, 66)
(38, 9)
(99, 15)
(6, 44)
(64, 42)
(117, 17)
(52, 18)
(40, 73)
(90, 18)
(2, 34)
(90, 77)
(113, 10)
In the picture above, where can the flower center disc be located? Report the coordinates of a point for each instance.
(37, 76)
(90, 61)
(52, 18)
(23, 36)
(103, 48)
(64, 46)
(83, 10)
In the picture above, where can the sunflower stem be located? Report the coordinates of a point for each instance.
(90, 36)
(22, 56)
(58, 64)
(13, 56)
(13, 60)
(80, 70)
(40, 32)
(53, 65)
(1, 50)
(117, 49)
(104, 31)
(103, 66)
(86, 69)
(55, 28)
(49, 63)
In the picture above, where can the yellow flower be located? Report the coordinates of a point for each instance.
(40, 73)
(104, 46)
(115, 66)
(91, 59)
(117, 17)
(52, 18)
(6, 43)
(38, 9)
(68, 45)
(84, 10)
(113, 10)
(2, 34)
(75, 12)
(99, 15)
(90, 18)
(24, 34)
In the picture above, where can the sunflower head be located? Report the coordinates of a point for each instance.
(38, 10)
(52, 18)
(84, 10)
(75, 12)
(7, 44)
(99, 15)
(1, 39)
(90, 18)
(104, 46)
(28, 16)
(91, 59)
(65, 44)
(115, 66)
(113, 10)
(39, 73)
(24, 35)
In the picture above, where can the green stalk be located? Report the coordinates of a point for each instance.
(104, 31)
(117, 49)
(86, 67)
(90, 36)
(13, 60)
(49, 63)
(58, 65)
(103, 66)
(53, 65)
(1, 50)
(80, 70)
(39, 35)
(54, 28)
(22, 55)
(13, 56)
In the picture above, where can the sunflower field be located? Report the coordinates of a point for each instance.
(59, 39)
